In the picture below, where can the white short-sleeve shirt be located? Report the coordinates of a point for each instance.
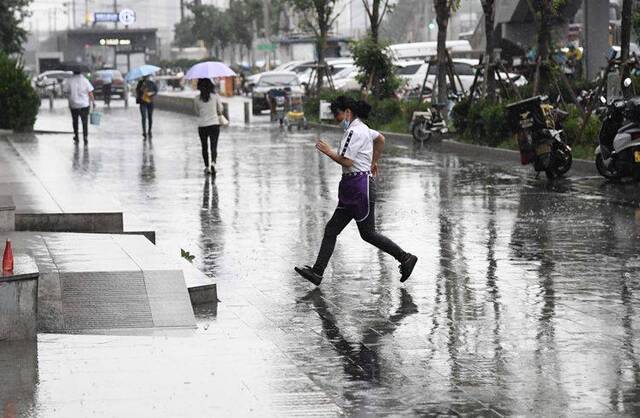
(79, 89)
(357, 145)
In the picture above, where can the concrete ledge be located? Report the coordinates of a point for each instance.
(7, 214)
(470, 151)
(19, 301)
(110, 222)
(180, 104)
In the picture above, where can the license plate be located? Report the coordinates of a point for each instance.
(543, 149)
(636, 156)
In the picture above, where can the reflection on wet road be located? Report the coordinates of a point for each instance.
(524, 300)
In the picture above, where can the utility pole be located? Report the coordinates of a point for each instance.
(73, 14)
(181, 10)
(115, 10)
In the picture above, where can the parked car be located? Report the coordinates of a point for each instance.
(308, 75)
(345, 79)
(295, 66)
(118, 85)
(273, 80)
(413, 73)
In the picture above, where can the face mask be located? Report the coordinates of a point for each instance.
(345, 124)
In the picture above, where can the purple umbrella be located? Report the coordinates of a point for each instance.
(209, 69)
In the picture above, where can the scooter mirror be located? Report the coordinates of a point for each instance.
(627, 82)
(603, 100)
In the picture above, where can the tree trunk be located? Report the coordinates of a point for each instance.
(375, 21)
(442, 17)
(488, 7)
(544, 39)
(321, 46)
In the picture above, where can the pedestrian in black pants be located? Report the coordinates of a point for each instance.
(145, 92)
(358, 155)
(208, 107)
(80, 98)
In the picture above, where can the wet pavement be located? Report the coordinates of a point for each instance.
(524, 300)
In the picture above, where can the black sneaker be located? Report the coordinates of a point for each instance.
(406, 267)
(85, 140)
(149, 135)
(308, 273)
(75, 139)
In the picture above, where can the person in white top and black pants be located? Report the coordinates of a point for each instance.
(208, 107)
(358, 155)
(80, 97)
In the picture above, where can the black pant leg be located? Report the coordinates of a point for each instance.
(143, 116)
(204, 136)
(214, 134)
(339, 220)
(84, 116)
(75, 114)
(150, 113)
(367, 229)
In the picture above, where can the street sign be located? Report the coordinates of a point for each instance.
(267, 47)
(127, 17)
(105, 17)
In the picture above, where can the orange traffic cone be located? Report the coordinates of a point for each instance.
(7, 258)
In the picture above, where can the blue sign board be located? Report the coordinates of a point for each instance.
(105, 17)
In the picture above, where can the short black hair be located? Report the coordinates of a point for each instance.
(359, 108)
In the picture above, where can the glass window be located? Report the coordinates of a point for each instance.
(278, 80)
(408, 70)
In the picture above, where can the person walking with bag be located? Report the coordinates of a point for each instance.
(208, 107)
(145, 92)
(80, 97)
(359, 152)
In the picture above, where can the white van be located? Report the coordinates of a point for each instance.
(422, 50)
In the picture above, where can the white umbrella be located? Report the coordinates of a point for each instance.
(209, 69)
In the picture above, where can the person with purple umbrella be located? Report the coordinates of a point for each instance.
(359, 152)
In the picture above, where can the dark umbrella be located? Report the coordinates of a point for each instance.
(75, 67)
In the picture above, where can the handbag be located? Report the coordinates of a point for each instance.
(94, 117)
(223, 120)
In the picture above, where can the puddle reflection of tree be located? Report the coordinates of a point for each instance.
(361, 360)
(625, 396)
(533, 240)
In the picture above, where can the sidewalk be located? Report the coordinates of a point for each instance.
(523, 301)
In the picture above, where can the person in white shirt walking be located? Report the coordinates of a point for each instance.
(359, 152)
(80, 98)
(208, 107)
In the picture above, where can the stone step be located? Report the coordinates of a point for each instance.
(7, 213)
(92, 282)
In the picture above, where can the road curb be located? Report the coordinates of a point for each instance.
(468, 151)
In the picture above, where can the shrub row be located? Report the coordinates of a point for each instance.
(386, 114)
(19, 103)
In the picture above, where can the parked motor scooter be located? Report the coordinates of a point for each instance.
(425, 124)
(540, 140)
(618, 152)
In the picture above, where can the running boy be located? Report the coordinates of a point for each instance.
(358, 155)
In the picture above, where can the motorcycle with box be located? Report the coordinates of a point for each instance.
(540, 141)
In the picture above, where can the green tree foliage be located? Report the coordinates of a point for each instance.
(212, 26)
(184, 34)
(12, 35)
(318, 16)
(19, 103)
(376, 68)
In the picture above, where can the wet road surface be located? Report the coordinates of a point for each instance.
(523, 301)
